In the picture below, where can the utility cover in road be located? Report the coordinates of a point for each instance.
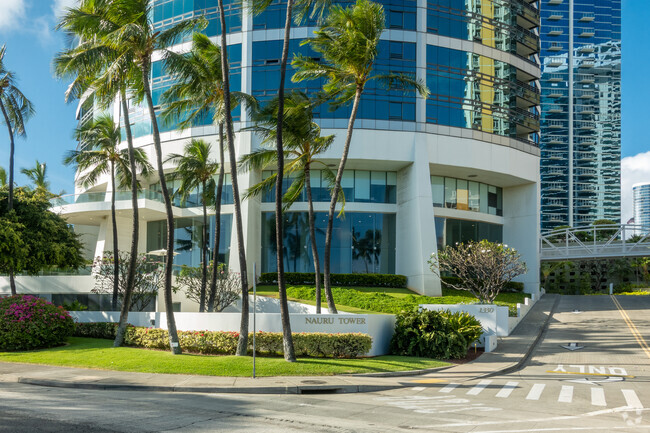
(573, 346)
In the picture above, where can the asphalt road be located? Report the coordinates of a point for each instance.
(602, 386)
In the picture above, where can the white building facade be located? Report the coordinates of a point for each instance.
(461, 165)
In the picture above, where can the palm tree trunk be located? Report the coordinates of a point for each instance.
(204, 255)
(130, 279)
(242, 344)
(287, 338)
(312, 235)
(335, 195)
(10, 198)
(217, 224)
(169, 257)
(116, 250)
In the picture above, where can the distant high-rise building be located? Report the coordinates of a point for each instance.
(581, 111)
(641, 192)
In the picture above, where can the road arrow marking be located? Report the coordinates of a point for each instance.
(596, 381)
(573, 346)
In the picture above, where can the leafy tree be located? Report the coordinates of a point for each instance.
(195, 169)
(34, 239)
(228, 285)
(483, 267)
(101, 73)
(131, 35)
(603, 234)
(99, 155)
(16, 110)
(347, 43)
(148, 278)
(3, 177)
(303, 145)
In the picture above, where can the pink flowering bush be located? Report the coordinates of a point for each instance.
(28, 322)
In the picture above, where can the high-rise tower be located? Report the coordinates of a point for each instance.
(581, 111)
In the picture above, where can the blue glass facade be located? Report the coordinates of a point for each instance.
(641, 193)
(581, 112)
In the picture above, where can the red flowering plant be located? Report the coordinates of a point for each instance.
(28, 322)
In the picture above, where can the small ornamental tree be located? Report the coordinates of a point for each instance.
(149, 278)
(227, 288)
(28, 322)
(483, 267)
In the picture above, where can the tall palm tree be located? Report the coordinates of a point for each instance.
(304, 144)
(16, 110)
(302, 9)
(134, 37)
(348, 43)
(199, 90)
(38, 176)
(99, 155)
(101, 74)
(194, 169)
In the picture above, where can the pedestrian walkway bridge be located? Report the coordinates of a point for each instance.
(601, 241)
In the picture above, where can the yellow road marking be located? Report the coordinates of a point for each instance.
(429, 381)
(635, 332)
(589, 374)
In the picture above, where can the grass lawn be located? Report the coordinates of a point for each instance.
(100, 354)
(449, 296)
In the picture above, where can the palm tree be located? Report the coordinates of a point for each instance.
(303, 146)
(16, 110)
(194, 168)
(99, 155)
(348, 43)
(101, 74)
(133, 36)
(199, 90)
(38, 176)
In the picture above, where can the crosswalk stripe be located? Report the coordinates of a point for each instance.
(631, 399)
(479, 387)
(598, 397)
(418, 388)
(536, 391)
(450, 387)
(566, 394)
(507, 389)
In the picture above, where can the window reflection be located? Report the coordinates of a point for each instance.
(461, 194)
(450, 231)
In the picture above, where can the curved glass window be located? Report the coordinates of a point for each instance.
(450, 231)
(193, 199)
(169, 12)
(188, 235)
(361, 242)
(462, 194)
(473, 91)
(359, 186)
(501, 24)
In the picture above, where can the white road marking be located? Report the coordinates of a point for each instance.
(598, 397)
(536, 391)
(450, 387)
(507, 389)
(631, 399)
(566, 394)
(418, 388)
(479, 387)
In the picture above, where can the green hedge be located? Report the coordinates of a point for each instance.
(510, 286)
(225, 343)
(362, 280)
(434, 334)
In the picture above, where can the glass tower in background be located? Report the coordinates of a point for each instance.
(581, 111)
(641, 193)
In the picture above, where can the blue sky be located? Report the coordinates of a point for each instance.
(27, 28)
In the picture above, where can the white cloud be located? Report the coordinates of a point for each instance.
(12, 12)
(60, 6)
(634, 169)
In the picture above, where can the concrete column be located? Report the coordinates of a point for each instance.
(416, 235)
(521, 227)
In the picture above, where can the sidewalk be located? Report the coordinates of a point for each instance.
(512, 352)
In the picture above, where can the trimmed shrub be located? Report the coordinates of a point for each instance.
(225, 343)
(434, 334)
(362, 280)
(28, 322)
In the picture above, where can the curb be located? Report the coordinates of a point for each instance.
(307, 389)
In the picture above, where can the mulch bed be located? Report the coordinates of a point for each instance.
(471, 356)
